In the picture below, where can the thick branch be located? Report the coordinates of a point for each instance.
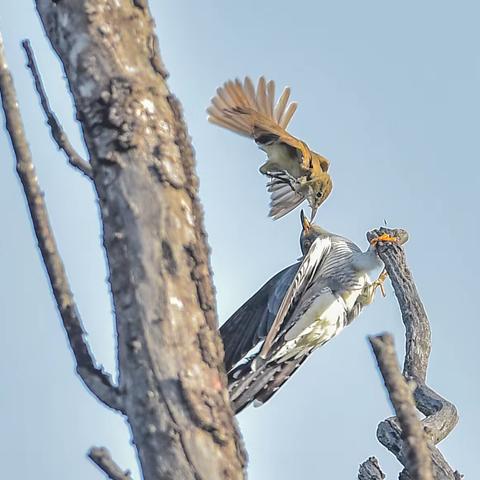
(419, 462)
(56, 130)
(441, 415)
(102, 458)
(98, 382)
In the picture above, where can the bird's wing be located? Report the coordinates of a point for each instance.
(283, 199)
(310, 265)
(253, 113)
(252, 321)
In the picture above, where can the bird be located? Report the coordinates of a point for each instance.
(295, 172)
(298, 310)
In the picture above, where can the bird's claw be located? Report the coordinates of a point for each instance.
(285, 177)
(378, 283)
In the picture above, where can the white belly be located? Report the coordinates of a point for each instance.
(322, 321)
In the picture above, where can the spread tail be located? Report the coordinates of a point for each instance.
(242, 109)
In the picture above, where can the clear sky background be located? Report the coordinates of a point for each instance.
(389, 92)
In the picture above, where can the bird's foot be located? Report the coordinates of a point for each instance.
(368, 293)
(378, 283)
(284, 177)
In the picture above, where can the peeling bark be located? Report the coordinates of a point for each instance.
(170, 354)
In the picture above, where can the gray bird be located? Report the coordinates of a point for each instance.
(298, 310)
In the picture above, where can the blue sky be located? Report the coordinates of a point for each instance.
(389, 92)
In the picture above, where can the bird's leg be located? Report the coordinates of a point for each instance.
(368, 293)
(285, 177)
(378, 283)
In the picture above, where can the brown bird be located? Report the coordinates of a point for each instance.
(296, 173)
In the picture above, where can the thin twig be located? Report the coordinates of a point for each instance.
(58, 134)
(102, 458)
(98, 382)
(419, 460)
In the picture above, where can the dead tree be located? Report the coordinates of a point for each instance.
(172, 387)
(410, 440)
(171, 380)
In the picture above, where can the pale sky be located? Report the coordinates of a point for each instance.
(389, 92)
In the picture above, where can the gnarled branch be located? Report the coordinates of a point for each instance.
(441, 415)
(97, 381)
(417, 453)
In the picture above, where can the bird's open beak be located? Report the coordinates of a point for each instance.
(305, 222)
(314, 212)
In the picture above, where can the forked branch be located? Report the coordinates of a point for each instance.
(97, 381)
(58, 134)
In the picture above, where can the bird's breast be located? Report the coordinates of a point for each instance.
(322, 320)
(280, 158)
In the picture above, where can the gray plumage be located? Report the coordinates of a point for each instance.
(295, 312)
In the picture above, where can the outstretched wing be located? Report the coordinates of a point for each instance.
(251, 322)
(283, 198)
(253, 113)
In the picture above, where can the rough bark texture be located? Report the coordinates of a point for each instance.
(170, 355)
(417, 453)
(440, 415)
(101, 457)
(370, 470)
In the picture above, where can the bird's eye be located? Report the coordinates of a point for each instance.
(307, 243)
(318, 194)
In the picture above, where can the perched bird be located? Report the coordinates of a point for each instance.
(296, 173)
(298, 310)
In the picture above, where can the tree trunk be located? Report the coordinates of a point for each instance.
(170, 355)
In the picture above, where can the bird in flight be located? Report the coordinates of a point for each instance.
(295, 172)
(298, 310)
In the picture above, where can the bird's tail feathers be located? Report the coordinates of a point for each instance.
(247, 385)
(241, 108)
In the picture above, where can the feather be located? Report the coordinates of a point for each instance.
(251, 322)
(281, 105)
(319, 249)
(288, 114)
(247, 110)
(270, 98)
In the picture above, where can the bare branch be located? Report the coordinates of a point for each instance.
(417, 334)
(58, 134)
(419, 463)
(98, 382)
(102, 458)
(370, 470)
(390, 436)
(441, 415)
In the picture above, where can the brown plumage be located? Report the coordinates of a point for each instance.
(296, 173)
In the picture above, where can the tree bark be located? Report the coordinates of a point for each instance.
(169, 353)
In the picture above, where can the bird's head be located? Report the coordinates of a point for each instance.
(318, 189)
(310, 232)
